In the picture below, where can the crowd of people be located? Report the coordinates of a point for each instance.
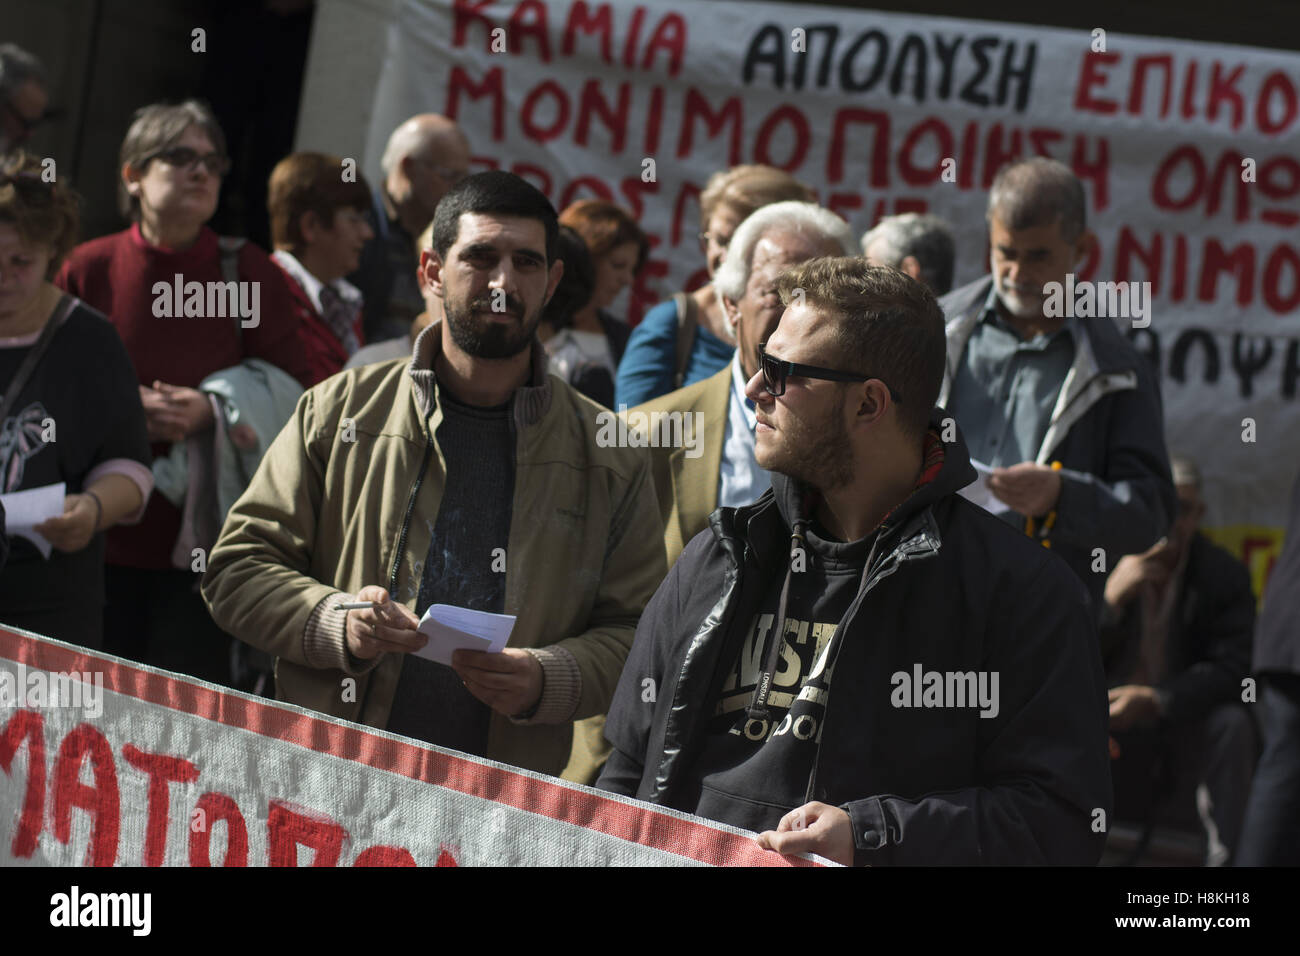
(275, 463)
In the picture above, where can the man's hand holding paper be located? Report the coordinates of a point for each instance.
(510, 682)
(390, 626)
(1029, 488)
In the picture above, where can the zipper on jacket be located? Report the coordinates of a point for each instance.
(724, 609)
(914, 545)
(406, 520)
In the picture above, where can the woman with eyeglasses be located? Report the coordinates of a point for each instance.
(70, 415)
(171, 164)
(686, 339)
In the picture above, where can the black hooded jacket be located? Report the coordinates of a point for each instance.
(950, 588)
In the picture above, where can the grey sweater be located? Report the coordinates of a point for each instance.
(432, 703)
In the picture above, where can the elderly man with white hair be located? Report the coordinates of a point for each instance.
(720, 469)
(424, 158)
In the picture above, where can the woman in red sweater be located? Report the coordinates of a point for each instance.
(161, 282)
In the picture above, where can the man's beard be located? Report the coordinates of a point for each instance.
(815, 453)
(1020, 304)
(486, 338)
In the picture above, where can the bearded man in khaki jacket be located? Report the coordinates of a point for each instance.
(468, 476)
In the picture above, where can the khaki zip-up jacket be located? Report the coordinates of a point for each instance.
(347, 496)
(687, 487)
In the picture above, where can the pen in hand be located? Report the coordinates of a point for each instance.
(357, 605)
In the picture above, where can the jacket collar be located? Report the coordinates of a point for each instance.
(529, 403)
(788, 500)
(1102, 362)
(312, 286)
(964, 307)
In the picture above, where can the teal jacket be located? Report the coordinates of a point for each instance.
(252, 401)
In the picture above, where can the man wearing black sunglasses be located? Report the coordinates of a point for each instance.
(719, 467)
(862, 664)
(23, 96)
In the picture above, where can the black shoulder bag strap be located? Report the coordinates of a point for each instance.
(230, 246)
(19, 381)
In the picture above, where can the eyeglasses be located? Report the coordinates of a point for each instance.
(776, 371)
(182, 157)
(707, 237)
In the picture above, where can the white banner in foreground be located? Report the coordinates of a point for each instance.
(106, 762)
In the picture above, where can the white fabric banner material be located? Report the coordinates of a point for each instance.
(105, 762)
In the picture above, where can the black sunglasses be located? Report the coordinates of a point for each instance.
(776, 371)
(184, 157)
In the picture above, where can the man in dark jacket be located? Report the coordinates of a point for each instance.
(423, 159)
(1175, 635)
(967, 721)
(1056, 400)
(1271, 833)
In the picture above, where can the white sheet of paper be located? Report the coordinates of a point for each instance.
(979, 492)
(24, 510)
(451, 628)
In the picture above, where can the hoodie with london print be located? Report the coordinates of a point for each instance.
(930, 767)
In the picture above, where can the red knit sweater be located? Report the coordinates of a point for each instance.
(116, 275)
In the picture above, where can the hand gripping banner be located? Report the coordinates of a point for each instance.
(110, 763)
